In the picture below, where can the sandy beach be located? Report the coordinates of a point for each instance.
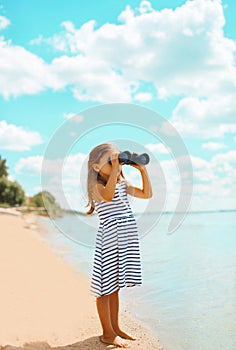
(45, 303)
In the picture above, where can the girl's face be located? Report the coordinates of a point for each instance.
(104, 167)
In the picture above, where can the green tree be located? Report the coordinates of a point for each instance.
(3, 167)
(43, 199)
(11, 192)
(37, 200)
(46, 200)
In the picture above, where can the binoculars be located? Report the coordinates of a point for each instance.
(132, 158)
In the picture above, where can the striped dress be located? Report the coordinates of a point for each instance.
(117, 256)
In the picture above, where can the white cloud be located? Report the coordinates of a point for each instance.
(204, 176)
(37, 165)
(16, 138)
(69, 166)
(199, 163)
(182, 51)
(4, 22)
(225, 161)
(203, 171)
(214, 185)
(72, 166)
(213, 146)
(158, 147)
(217, 189)
(22, 72)
(143, 97)
(29, 166)
(221, 167)
(213, 180)
(91, 79)
(78, 118)
(64, 178)
(212, 117)
(219, 171)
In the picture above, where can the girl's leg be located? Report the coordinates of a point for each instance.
(109, 336)
(114, 315)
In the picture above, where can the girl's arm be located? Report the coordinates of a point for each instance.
(107, 192)
(146, 192)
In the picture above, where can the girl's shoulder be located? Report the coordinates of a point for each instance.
(125, 182)
(99, 187)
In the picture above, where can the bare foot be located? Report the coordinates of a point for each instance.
(125, 335)
(117, 341)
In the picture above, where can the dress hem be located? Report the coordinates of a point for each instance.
(127, 285)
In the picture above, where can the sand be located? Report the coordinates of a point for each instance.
(45, 303)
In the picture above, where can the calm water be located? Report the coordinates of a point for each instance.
(189, 292)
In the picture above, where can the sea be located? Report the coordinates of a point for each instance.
(188, 296)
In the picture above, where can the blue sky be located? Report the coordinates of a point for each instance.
(175, 57)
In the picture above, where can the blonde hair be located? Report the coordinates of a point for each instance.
(93, 176)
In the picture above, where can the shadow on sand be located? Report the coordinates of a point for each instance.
(87, 344)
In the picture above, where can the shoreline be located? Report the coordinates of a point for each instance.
(45, 302)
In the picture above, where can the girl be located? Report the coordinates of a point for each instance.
(117, 257)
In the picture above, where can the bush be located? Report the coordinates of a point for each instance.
(3, 167)
(41, 197)
(4, 205)
(46, 200)
(11, 192)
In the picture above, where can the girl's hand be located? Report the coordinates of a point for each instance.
(138, 166)
(114, 160)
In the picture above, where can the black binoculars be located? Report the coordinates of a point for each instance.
(132, 158)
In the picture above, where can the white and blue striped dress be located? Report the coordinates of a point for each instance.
(117, 256)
